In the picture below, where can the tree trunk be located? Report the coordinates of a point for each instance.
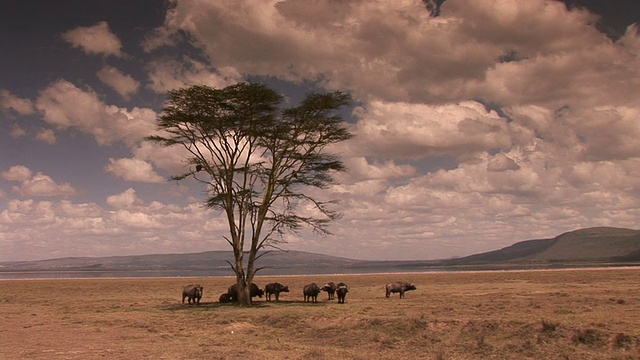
(243, 293)
(245, 298)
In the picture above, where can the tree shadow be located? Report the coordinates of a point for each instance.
(204, 305)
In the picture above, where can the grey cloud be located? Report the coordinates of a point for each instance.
(502, 163)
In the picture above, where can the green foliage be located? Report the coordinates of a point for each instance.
(256, 158)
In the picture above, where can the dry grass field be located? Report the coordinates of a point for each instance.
(569, 314)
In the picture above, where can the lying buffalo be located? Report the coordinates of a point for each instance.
(275, 289)
(330, 288)
(232, 293)
(399, 287)
(193, 292)
(341, 291)
(311, 292)
(225, 298)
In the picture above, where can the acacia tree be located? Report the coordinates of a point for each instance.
(256, 159)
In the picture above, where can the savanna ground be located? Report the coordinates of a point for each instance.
(569, 314)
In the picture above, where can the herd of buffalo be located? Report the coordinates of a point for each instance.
(193, 292)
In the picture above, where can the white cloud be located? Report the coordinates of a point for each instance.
(17, 173)
(133, 227)
(168, 74)
(124, 200)
(35, 185)
(395, 51)
(501, 162)
(81, 210)
(133, 170)
(95, 40)
(43, 185)
(46, 136)
(170, 159)
(566, 96)
(21, 106)
(403, 130)
(136, 220)
(64, 105)
(631, 39)
(607, 132)
(17, 131)
(123, 84)
(558, 153)
(360, 168)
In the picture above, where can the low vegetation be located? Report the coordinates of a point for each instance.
(566, 314)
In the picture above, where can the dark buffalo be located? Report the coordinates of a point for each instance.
(399, 287)
(311, 292)
(193, 292)
(233, 293)
(330, 288)
(225, 298)
(276, 289)
(342, 291)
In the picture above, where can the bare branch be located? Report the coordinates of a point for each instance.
(232, 266)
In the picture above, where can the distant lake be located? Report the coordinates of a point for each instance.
(18, 275)
(284, 271)
(87, 274)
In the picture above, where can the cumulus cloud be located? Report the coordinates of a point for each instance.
(526, 108)
(501, 162)
(607, 132)
(493, 122)
(396, 51)
(170, 159)
(167, 74)
(133, 170)
(17, 131)
(43, 185)
(95, 40)
(124, 200)
(631, 39)
(21, 106)
(64, 105)
(17, 173)
(360, 168)
(46, 136)
(37, 184)
(129, 226)
(123, 84)
(404, 130)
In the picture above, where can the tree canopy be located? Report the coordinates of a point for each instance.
(257, 158)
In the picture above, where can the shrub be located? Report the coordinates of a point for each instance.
(622, 340)
(549, 326)
(587, 337)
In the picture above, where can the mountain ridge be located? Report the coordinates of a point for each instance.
(596, 244)
(583, 247)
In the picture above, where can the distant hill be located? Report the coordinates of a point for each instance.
(601, 246)
(209, 262)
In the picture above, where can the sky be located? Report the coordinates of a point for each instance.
(477, 124)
